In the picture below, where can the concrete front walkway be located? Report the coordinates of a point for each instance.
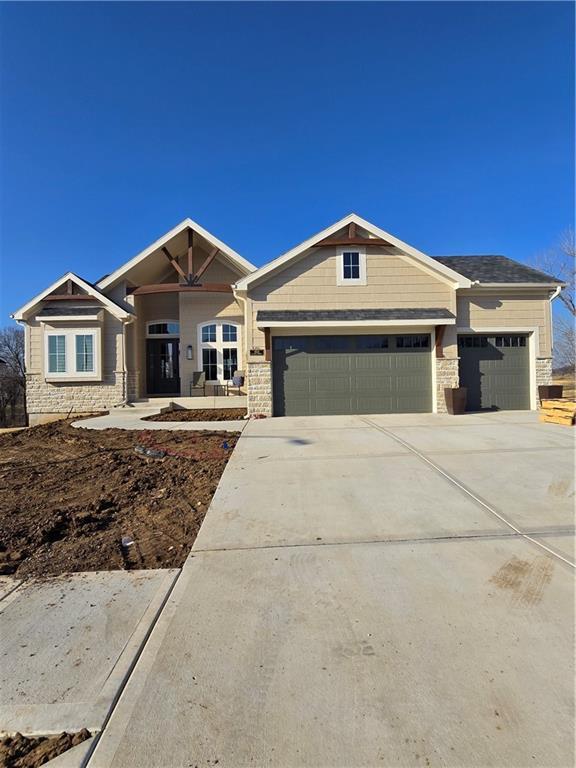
(134, 418)
(368, 591)
(68, 643)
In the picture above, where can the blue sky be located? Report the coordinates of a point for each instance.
(447, 124)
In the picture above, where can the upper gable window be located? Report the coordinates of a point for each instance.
(351, 266)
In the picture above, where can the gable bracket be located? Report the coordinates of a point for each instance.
(196, 277)
(174, 263)
(355, 241)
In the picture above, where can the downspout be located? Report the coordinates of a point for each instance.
(554, 295)
(247, 330)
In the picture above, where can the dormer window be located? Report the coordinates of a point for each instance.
(351, 266)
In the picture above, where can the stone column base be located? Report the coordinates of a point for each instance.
(259, 388)
(543, 374)
(446, 376)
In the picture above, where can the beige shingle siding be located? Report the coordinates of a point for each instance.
(508, 310)
(392, 281)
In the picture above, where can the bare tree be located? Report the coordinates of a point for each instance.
(12, 372)
(564, 343)
(560, 261)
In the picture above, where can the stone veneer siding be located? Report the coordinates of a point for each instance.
(543, 374)
(46, 400)
(259, 387)
(446, 376)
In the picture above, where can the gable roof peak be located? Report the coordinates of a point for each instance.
(239, 261)
(446, 272)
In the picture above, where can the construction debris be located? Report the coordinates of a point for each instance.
(560, 411)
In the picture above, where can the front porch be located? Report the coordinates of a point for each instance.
(233, 400)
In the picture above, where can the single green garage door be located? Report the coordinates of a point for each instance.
(496, 371)
(351, 374)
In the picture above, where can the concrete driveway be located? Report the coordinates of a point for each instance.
(369, 591)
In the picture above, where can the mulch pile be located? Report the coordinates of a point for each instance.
(204, 414)
(33, 751)
(71, 497)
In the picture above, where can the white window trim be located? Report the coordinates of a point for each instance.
(219, 346)
(71, 374)
(340, 279)
(161, 335)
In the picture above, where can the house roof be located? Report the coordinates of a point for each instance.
(90, 289)
(239, 261)
(351, 316)
(442, 270)
(496, 269)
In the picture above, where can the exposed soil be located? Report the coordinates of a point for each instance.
(200, 414)
(33, 751)
(70, 496)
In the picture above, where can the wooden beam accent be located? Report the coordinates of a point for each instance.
(267, 345)
(190, 254)
(440, 330)
(69, 287)
(205, 265)
(141, 290)
(352, 230)
(69, 297)
(174, 263)
(356, 241)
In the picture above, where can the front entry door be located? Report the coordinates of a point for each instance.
(163, 366)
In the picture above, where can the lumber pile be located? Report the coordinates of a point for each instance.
(561, 411)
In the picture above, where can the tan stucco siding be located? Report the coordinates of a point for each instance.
(391, 281)
(196, 309)
(508, 310)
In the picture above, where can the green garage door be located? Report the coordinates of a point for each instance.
(351, 374)
(496, 371)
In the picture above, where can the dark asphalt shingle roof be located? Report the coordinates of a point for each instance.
(70, 311)
(495, 269)
(320, 315)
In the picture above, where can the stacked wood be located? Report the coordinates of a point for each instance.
(560, 411)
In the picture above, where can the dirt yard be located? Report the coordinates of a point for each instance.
(86, 500)
(200, 414)
(31, 752)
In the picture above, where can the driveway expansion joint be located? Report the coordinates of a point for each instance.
(423, 457)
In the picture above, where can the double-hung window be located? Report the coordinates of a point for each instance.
(71, 354)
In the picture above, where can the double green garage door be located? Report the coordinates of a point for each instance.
(393, 373)
(351, 374)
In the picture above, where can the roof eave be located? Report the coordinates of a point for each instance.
(550, 285)
(395, 322)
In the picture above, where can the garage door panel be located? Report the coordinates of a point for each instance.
(351, 374)
(496, 371)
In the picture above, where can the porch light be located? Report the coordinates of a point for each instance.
(189, 352)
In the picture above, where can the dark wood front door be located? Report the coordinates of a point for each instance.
(163, 366)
